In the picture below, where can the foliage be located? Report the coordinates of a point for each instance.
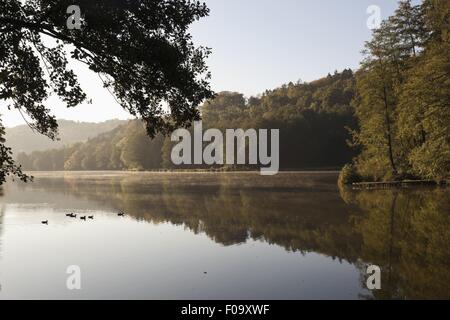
(348, 175)
(142, 50)
(311, 117)
(403, 96)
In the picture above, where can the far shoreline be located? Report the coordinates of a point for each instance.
(362, 185)
(334, 171)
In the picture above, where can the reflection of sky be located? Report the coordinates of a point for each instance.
(130, 258)
(125, 258)
(294, 235)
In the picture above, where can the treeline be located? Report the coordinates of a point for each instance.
(403, 97)
(312, 117)
(394, 111)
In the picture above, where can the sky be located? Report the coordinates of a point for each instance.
(256, 45)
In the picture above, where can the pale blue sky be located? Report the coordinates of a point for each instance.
(257, 45)
(261, 44)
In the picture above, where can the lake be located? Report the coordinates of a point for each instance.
(220, 236)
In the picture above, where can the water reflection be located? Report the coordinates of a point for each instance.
(406, 232)
(229, 208)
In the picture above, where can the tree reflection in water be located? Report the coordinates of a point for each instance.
(405, 232)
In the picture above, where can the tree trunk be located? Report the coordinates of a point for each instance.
(388, 121)
(389, 131)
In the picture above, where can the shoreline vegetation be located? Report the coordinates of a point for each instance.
(398, 184)
(212, 170)
(402, 101)
(362, 185)
(348, 177)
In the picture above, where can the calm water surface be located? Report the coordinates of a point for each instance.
(220, 236)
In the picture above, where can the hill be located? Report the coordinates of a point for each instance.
(23, 139)
(312, 117)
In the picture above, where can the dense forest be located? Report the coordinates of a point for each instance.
(389, 120)
(312, 117)
(403, 97)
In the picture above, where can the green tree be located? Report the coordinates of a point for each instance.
(376, 102)
(141, 50)
(312, 118)
(73, 162)
(408, 25)
(135, 154)
(403, 95)
(424, 113)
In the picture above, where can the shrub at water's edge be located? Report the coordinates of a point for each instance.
(348, 175)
